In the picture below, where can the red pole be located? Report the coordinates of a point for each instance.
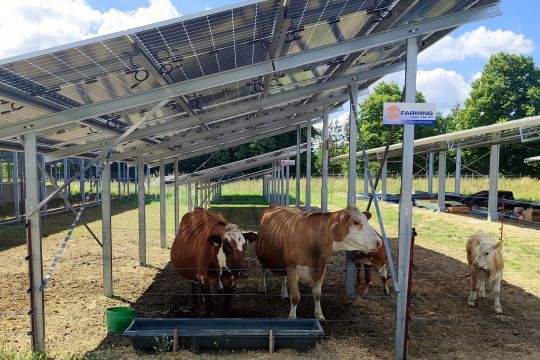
(408, 311)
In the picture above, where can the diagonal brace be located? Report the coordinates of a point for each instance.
(66, 199)
(105, 153)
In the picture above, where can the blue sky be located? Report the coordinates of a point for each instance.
(445, 70)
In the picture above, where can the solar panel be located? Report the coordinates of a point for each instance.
(140, 60)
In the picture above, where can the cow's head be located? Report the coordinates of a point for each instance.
(353, 232)
(232, 245)
(486, 255)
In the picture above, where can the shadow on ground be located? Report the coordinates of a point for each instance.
(442, 324)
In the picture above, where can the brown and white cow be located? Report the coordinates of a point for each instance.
(369, 260)
(484, 256)
(297, 245)
(209, 252)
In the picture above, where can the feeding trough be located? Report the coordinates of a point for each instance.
(206, 333)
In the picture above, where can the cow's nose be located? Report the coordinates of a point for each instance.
(379, 242)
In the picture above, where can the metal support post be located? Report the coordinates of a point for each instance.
(196, 195)
(282, 182)
(119, 178)
(142, 213)
(128, 179)
(431, 161)
(176, 198)
(33, 227)
(351, 189)
(43, 187)
(366, 185)
(405, 203)
(384, 175)
(493, 197)
(350, 267)
(325, 148)
(82, 181)
(189, 198)
(66, 178)
(98, 178)
(148, 179)
(441, 192)
(458, 171)
(17, 180)
(308, 167)
(162, 199)
(287, 188)
(106, 227)
(298, 142)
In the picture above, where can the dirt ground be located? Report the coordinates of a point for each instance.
(442, 325)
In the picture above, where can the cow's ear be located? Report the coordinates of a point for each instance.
(367, 213)
(344, 217)
(214, 240)
(497, 245)
(250, 236)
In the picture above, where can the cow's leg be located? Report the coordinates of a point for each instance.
(292, 277)
(482, 290)
(474, 287)
(497, 293)
(384, 277)
(195, 294)
(284, 293)
(317, 297)
(207, 296)
(367, 278)
(262, 283)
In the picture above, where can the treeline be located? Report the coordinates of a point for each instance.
(508, 89)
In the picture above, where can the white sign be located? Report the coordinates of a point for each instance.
(287, 162)
(409, 113)
(268, 176)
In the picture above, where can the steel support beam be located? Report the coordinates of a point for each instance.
(350, 267)
(431, 162)
(287, 188)
(82, 181)
(17, 180)
(189, 198)
(297, 166)
(196, 195)
(366, 185)
(33, 239)
(458, 171)
(142, 214)
(176, 199)
(405, 202)
(162, 204)
(66, 177)
(493, 197)
(325, 147)
(308, 166)
(384, 176)
(106, 227)
(441, 192)
(249, 71)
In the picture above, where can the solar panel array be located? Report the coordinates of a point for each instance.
(135, 61)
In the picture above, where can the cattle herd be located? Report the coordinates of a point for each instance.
(209, 252)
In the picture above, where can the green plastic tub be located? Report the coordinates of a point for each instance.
(117, 319)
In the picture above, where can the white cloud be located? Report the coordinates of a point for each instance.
(444, 87)
(31, 25)
(480, 42)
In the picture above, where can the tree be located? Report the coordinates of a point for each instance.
(508, 89)
(375, 133)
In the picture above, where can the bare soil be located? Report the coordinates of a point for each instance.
(442, 326)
